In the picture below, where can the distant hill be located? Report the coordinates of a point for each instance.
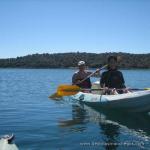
(66, 60)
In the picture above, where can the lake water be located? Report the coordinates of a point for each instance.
(43, 124)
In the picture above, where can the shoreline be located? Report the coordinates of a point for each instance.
(70, 68)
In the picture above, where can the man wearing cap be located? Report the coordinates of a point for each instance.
(79, 76)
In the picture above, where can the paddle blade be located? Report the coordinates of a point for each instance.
(66, 90)
(55, 96)
(147, 89)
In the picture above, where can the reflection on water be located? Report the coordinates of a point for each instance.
(78, 117)
(111, 133)
(112, 125)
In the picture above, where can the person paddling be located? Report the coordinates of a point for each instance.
(79, 76)
(113, 78)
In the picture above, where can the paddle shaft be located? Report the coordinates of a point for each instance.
(93, 73)
(105, 89)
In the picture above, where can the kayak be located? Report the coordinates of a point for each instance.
(6, 143)
(136, 101)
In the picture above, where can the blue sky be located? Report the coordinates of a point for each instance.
(50, 26)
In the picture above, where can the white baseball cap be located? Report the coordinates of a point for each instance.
(81, 63)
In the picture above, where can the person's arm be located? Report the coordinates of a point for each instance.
(122, 80)
(74, 78)
(102, 80)
(125, 90)
(103, 84)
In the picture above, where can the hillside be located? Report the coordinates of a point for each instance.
(65, 60)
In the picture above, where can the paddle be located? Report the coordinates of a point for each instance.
(139, 89)
(66, 90)
(55, 96)
(93, 73)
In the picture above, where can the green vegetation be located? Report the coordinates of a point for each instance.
(66, 60)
